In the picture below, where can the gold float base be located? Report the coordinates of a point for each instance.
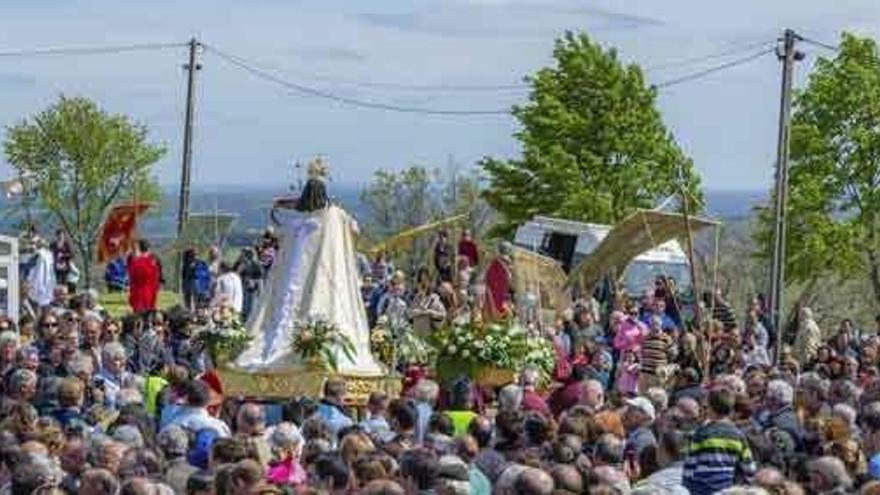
(307, 381)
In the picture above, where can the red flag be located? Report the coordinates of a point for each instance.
(117, 233)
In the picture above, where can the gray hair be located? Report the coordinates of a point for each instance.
(427, 391)
(510, 398)
(780, 392)
(833, 471)
(286, 436)
(82, 365)
(812, 381)
(530, 377)
(845, 412)
(8, 337)
(113, 350)
(173, 441)
(129, 435)
(658, 397)
(21, 377)
(128, 396)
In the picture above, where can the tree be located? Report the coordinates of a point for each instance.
(80, 159)
(834, 182)
(594, 147)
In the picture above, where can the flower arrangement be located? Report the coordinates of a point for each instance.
(475, 349)
(540, 354)
(317, 339)
(407, 348)
(224, 337)
(382, 342)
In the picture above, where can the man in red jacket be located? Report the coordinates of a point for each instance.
(144, 279)
(469, 249)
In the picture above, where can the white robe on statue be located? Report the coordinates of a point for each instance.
(41, 278)
(315, 273)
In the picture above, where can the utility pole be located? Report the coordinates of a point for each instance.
(788, 55)
(186, 169)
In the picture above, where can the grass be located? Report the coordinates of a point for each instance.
(117, 303)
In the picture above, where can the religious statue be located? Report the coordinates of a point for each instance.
(314, 274)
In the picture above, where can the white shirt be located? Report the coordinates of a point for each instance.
(41, 278)
(194, 419)
(229, 289)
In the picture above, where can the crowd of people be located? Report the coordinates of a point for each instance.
(639, 402)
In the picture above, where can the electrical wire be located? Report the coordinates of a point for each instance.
(712, 56)
(451, 88)
(827, 46)
(249, 66)
(712, 70)
(90, 50)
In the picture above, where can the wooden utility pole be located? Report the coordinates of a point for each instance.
(186, 169)
(702, 333)
(788, 55)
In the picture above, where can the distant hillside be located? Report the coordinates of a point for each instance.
(252, 206)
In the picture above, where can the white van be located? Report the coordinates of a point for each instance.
(569, 242)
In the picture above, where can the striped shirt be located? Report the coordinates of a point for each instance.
(718, 457)
(655, 352)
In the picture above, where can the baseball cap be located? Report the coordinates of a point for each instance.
(643, 404)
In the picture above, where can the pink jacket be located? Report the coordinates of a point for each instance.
(629, 335)
(287, 472)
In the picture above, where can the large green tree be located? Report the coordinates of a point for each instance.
(80, 159)
(834, 186)
(594, 147)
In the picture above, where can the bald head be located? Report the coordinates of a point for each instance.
(594, 394)
(567, 477)
(250, 419)
(534, 482)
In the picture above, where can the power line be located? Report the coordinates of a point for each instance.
(712, 70)
(712, 56)
(90, 50)
(249, 66)
(827, 46)
(440, 88)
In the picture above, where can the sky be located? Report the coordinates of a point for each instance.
(250, 131)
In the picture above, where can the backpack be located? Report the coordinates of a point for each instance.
(201, 278)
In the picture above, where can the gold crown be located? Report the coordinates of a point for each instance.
(318, 168)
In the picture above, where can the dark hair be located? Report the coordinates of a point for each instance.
(510, 425)
(609, 449)
(332, 467)
(461, 395)
(440, 423)
(200, 481)
(404, 414)
(722, 401)
(228, 450)
(143, 245)
(313, 196)
(481, 429)
(197, 393)
(421, 466)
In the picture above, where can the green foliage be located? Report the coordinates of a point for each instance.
(594, 146)
(395, 201)
(318, 339)
(834, 188)
(80, 159)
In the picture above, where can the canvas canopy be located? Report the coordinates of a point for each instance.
(640, 232)
(540, 275)
(404, 239)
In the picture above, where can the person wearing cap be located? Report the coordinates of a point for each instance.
(638, 417)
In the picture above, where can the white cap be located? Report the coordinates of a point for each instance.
(643, 404)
